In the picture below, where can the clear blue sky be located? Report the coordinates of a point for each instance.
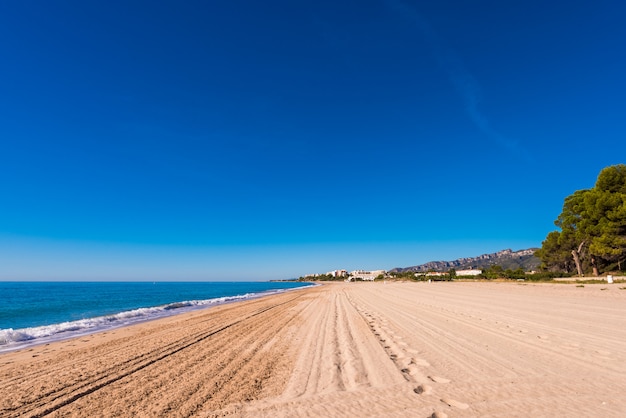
(246, 140)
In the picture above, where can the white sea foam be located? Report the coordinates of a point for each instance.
(11, 339)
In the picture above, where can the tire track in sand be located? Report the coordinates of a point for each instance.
(340, 368)
(341, 353)
(61, 393)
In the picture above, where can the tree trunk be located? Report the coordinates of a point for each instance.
(576, 256)
(594, 266)
(577, 262)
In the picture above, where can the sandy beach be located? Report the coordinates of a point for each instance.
(345, 350)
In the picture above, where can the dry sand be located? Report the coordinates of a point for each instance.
(352, 350)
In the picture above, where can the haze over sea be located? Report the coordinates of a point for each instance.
(34, 312)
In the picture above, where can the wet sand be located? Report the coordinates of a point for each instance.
(355, 349)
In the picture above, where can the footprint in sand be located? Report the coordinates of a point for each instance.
(413, 371)
(423, 390)
(455, 404)
(438, 379)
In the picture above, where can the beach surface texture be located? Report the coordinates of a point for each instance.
(345, 350)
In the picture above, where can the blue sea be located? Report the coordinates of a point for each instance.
(38, 312)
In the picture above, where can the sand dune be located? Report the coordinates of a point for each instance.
(360, 349)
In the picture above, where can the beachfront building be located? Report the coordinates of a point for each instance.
(431, 274)
(337, 273)
(366, 275)
(470, 272)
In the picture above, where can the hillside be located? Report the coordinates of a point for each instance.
(507, 259)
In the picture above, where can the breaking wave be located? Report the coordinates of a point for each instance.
(11, 339)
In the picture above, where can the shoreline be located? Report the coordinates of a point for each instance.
(22, 338)
(345, 349)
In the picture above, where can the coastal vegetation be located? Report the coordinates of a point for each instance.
(592, 236)
(321, 277)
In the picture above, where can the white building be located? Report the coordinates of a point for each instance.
(366, 275)
(470, 272)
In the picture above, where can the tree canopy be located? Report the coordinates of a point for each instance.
(593, 227)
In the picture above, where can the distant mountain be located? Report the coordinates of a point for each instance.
(507, 259)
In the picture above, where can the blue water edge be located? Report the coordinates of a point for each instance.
(37, 312)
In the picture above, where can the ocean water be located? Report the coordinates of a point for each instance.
(38, 312)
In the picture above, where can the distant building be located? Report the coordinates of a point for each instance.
(366, 275)
(431, 273)
(470, 272)
(337, 273)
